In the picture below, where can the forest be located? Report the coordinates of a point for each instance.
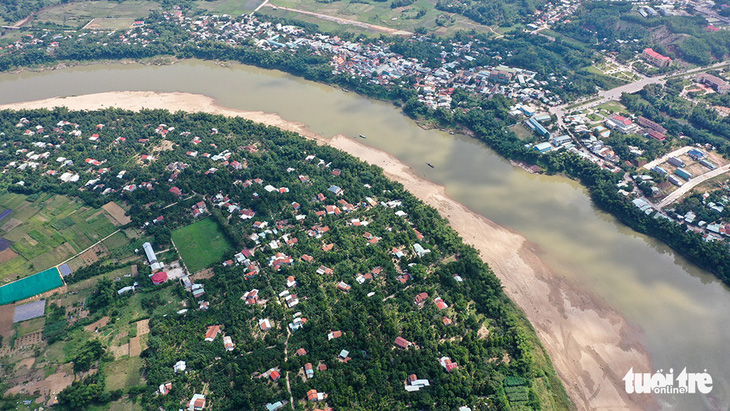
(501, 364)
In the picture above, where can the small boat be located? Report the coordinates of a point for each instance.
(345, 90)
(430, 165)
(362, 136)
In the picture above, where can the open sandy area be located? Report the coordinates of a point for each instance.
(591, 345)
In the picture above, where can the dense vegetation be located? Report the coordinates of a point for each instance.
(501, 363)
(617, 26)
(501, 12)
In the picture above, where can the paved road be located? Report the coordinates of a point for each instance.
(615, 93)
(686, 187)
(675, 153)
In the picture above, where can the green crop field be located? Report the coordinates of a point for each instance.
(48, 229)
(422, 13)
(78, 14)
(201, 244)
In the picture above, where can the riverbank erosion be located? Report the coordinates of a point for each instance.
(591, 345)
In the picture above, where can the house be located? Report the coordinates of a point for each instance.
(176, 191)
(306, 258)
(342, 286)
(720, 85)
(440, 304)
(334, 334)
(314, 396)
(301, 352)
(336, 190)
(274, 375)
(657, 135)
(274, 406)
(655, 58)
(164, 389)
(420, 251)
(322, 367)
(415, 384)
(420, 298)
(212, 332)
(648, 124)
(325, 270)
(280, 259)
(179, 366)
(344, 356)
(197, 402)
(265, 324)
(291, 282)
(328, 247)
(297, 323)
(402, 342)
(398, 253)
(621, 124)
(228, 343)
(447, 321)
(197, 290)
(308, 370)
(448, 364)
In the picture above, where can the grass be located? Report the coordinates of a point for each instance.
(124, 373)
(78, 14)
(612, 106)
(232, 7)
(201, 244)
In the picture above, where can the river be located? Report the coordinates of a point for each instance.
(682, 311)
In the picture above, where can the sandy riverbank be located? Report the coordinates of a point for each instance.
(591, 346)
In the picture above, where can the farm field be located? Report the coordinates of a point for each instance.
(44, 230)
(232, 7)
(422, 13)
(115, 15)
(201, 244)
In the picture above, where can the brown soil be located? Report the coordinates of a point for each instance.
(7, 255)
(7, 312)
(117, 213)
(93, 326)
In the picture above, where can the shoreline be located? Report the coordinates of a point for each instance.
(591, 346)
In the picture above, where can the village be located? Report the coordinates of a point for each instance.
(304, 237)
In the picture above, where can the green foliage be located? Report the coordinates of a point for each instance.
(87, 355)
(55, 327)
(80, 394)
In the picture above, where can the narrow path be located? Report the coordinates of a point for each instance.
(286, 359)
(259, 7)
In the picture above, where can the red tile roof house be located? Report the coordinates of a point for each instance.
(176, 191)
(420, 298)
(402, 342)
(447, 364)
(334, 334)
(301, 352)
(274, 375)
(440, 303)
(212, 332)
(196, 403)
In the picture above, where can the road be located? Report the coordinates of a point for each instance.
(615, 93)
(686, 187)
(675, 153)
